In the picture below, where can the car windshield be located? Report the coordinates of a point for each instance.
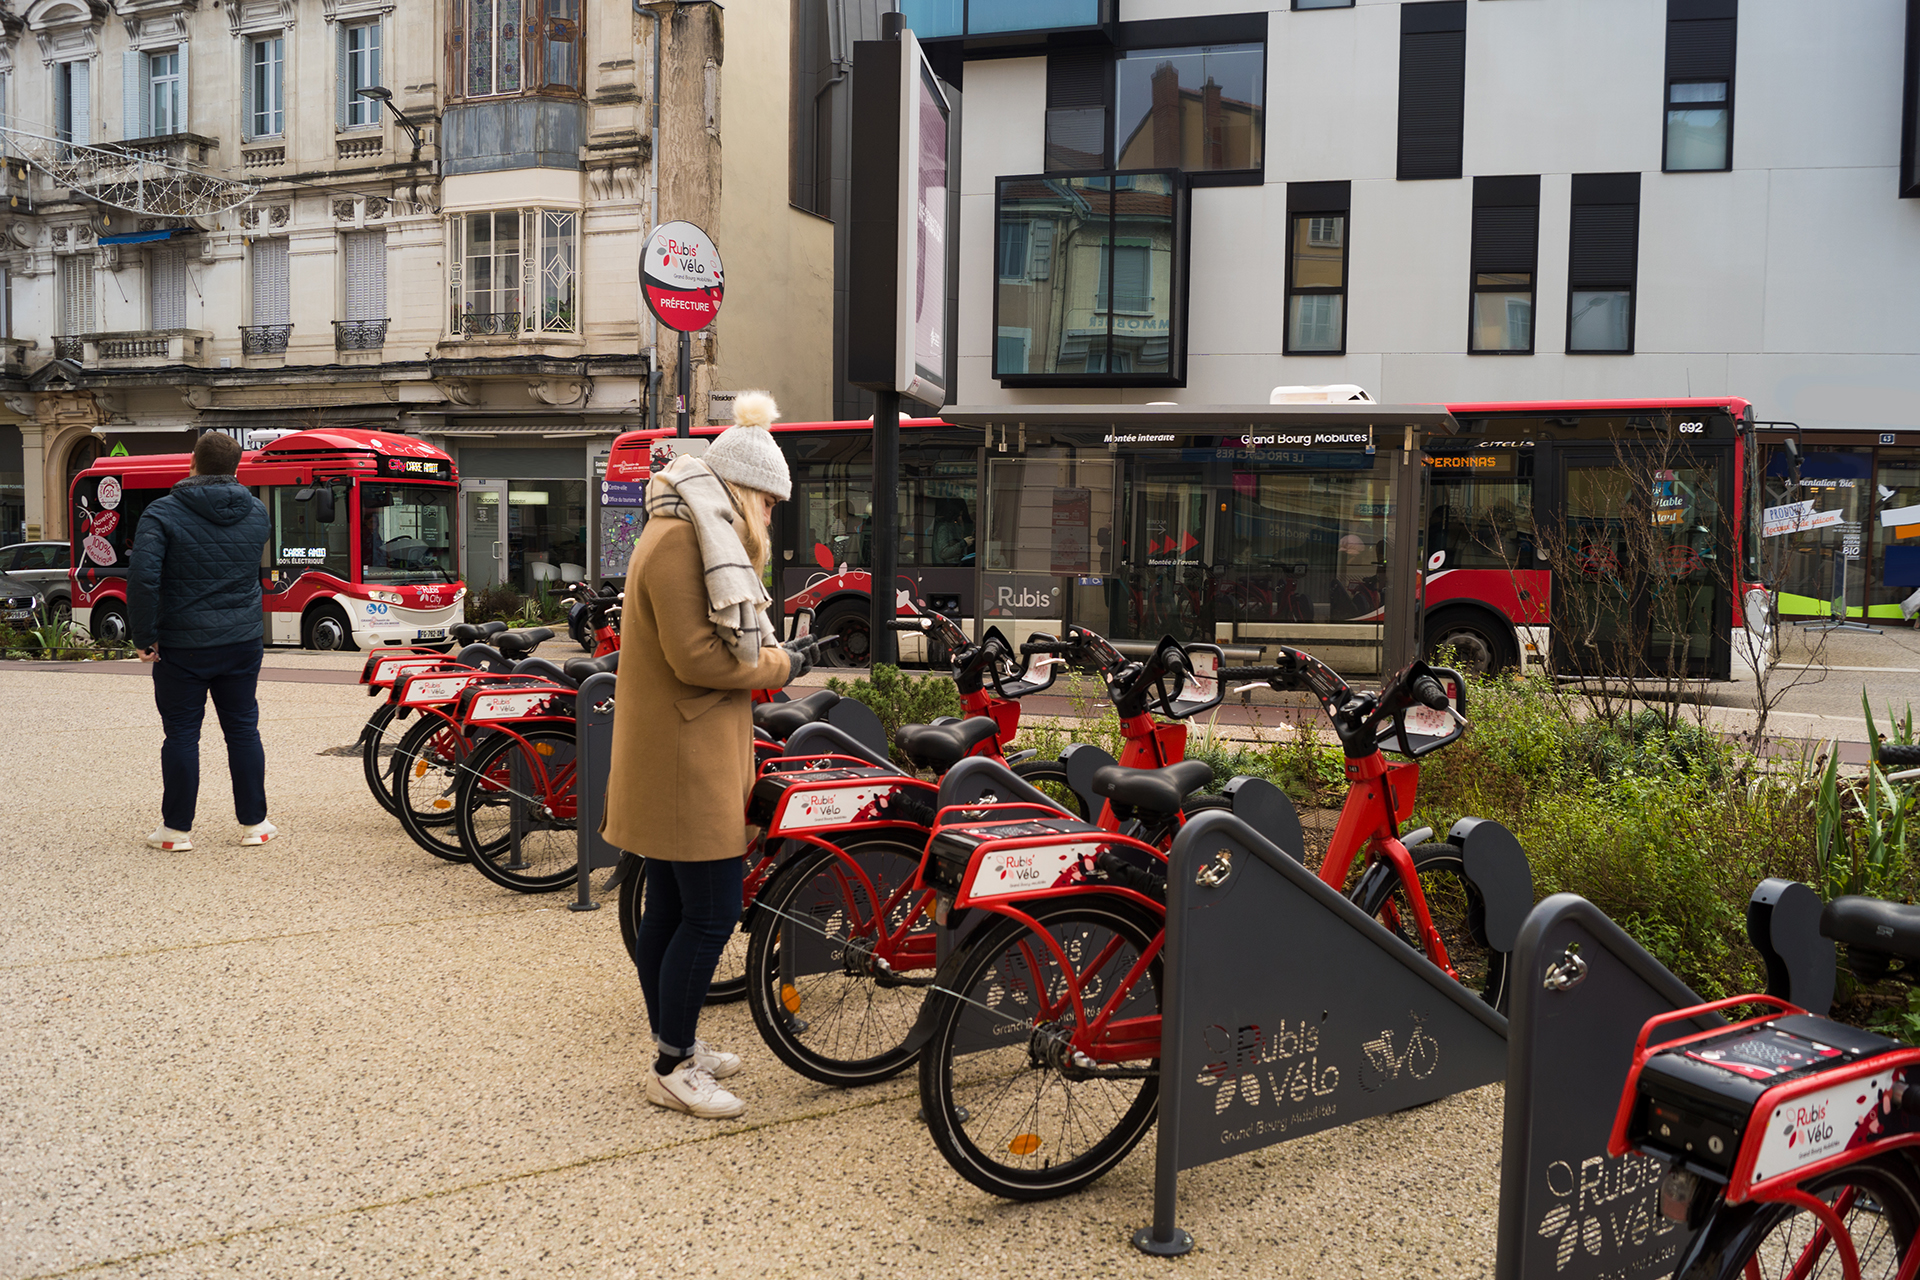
(406, 533)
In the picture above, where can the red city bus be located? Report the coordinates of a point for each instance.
(1197, 530)
(361, 548)
(1512, 468)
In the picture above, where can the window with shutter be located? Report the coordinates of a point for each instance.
(133, 94)
(1433, 89)
(270, 299)
(73, 100)
(1699, 101)
(167, 288)
(1603, 253)
(366, 275)
(76, 294)
(1126, 278)
(1506, 237)
(164, 109)
(1317, 267)
(1077, 110)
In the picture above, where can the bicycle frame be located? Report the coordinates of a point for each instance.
(1380, 797)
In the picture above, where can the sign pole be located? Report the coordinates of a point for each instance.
(683, 422)
(885, 555)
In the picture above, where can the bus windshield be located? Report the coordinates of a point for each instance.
(406, 533)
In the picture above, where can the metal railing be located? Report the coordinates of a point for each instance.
(476, 324)
(70, 348)
(264, 339)
(359, 335)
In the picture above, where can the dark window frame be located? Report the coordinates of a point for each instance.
(1604, 190)
(1179, 286)
(1680, 14)
(1505, 193)
(1174, 33)
(1910, 109)
(537, 30)
(1307, 200)
(1313, 8)
(1430, 18)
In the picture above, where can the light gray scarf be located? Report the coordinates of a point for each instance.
(736, 599)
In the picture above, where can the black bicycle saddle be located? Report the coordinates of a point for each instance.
(1873, 924)
(941, 746)
(1154, 790)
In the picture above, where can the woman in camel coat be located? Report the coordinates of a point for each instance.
(694, 639)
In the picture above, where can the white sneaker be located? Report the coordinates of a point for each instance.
(165, 837)
(717, 1063)
(691, 1088)
(258, 833)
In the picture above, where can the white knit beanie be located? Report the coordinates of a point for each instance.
(745, 453)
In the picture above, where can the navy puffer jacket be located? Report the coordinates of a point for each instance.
(195, 578)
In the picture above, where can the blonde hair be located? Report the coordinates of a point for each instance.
(753, 531)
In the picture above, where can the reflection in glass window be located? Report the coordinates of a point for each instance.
(1194, 109)
(1316, 282)
(1698, 122)
(1834, 479)
(1600, 320)
(1503, 311)
(1896, 547)
(301, 543)
(1480, 509)
(833, 498)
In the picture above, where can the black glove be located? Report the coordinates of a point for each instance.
(805, 654)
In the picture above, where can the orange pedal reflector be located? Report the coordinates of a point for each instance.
(1024, 1144)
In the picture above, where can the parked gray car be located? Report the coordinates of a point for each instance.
(18, 602)
(44, 566)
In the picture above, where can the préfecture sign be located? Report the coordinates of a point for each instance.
(681, 277)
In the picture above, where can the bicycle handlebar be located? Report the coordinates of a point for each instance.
(1899, 755)
(1427, 692)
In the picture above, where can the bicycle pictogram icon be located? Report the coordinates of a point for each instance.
(1419, 1058)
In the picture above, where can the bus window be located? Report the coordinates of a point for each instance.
(104, 520)
(1480, 509)
(300, 542)
(406, 533)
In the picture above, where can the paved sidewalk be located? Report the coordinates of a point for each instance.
(339, 1056)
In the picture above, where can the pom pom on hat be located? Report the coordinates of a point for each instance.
(745, 453)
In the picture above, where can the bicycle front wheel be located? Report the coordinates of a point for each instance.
(1875, 1201)
(839, 956)
(378, 738)
(1459, 915)
(426, 770)
(1022, 1097)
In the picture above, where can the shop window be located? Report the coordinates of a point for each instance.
(1836, 478)
(1896, 546)
(1091, 284)
(500, 48)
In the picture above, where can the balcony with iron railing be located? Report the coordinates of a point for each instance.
(264, 339)
(487, 324)
(359, 335)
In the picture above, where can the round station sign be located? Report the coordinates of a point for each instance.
(680, 276)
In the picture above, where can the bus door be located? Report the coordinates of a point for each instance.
(1642, 571)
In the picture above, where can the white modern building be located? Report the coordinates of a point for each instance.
(1450, 200)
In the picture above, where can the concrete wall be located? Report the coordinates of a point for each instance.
(1789, 280)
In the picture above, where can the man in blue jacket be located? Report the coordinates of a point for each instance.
(193, 596)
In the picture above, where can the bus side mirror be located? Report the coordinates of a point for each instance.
(324, 494)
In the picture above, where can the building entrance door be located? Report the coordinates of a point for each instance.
(483, 550)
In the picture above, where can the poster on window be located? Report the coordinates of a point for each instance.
(1072, 531)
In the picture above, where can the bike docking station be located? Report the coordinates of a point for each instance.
(592, 754)
(1582, 990)
(1354, 1023)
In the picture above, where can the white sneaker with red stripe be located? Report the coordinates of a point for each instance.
(165, 837)
(258, 833)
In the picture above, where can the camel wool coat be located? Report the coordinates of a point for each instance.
(682, 759)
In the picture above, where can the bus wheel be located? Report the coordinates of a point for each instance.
(327, 628)
(1479, 646)
(110, 623)
(848, 620)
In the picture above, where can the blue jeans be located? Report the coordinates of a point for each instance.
(690, 913)
(182, 680)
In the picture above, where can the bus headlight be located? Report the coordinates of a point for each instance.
(391, 597)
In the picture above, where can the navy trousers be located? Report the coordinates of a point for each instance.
(690, 913)
(183, 679)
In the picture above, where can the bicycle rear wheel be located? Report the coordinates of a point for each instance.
(836, 970)
(1457, 910)
(377, 740)
(1875, 1200)
(527, 779)
(425, 772)
(1007, 1103)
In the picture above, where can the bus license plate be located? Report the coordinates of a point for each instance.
(431, 633)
